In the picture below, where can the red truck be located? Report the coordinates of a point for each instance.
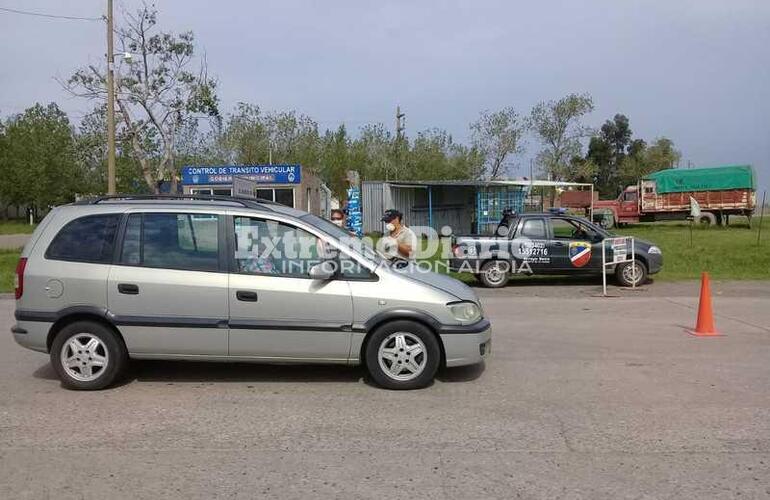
(665, 195)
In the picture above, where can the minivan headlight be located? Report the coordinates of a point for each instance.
(466, 312)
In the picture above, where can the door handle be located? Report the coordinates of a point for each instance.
(128, 288)
(246, 296)
(558, 244)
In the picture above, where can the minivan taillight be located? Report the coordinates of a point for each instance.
(18, 280)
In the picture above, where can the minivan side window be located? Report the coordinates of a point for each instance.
(87, 239)
(273, 248)
(186, 241)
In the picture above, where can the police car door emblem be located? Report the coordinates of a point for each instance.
(579, 253)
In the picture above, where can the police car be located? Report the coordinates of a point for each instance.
(547, 243)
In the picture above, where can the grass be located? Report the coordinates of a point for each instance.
(15, 227)
(8, 261)
(725, 252)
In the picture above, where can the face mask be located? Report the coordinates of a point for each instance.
(390, 227)
(337, 222)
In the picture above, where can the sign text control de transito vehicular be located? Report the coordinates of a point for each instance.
(226, 279)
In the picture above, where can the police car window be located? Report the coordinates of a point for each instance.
(563, 229)
(533, 228)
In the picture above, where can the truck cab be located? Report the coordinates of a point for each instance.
(623, 210)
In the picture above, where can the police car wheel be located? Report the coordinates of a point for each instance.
(625, 273)
(494, 274)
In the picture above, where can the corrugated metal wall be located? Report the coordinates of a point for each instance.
(453, 206)
(372, 205)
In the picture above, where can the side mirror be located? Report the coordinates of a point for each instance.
(502, 230)
(323, 270)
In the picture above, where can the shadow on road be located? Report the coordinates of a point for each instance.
(189, 371)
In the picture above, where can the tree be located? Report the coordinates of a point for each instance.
(435, 155)
(607, 151)
(157, 95)
(557, 125)
(498, 136)
(37, 159)
(335, 157)
(643, 160)
(91, 155)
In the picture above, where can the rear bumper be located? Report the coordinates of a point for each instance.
(467, 348)
(32, 334)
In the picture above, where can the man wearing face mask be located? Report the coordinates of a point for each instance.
(403, 240)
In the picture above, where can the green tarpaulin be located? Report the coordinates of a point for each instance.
(679, 180)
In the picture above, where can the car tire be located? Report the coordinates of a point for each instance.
(623, 273)
(492, 276)
(391, 360)
(88, 356)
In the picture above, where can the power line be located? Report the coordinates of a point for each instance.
(50, 16)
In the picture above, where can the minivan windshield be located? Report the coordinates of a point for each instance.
(343, 236)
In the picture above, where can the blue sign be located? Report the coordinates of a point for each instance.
(355, 221)
(261, 174)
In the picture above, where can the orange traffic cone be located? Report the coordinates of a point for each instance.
(705, 325)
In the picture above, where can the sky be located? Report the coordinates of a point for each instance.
(696, 71)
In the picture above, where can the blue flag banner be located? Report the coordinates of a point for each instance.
(355, 221)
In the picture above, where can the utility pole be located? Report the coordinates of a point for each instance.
(111, 189)
(400, 123)
(400, 126)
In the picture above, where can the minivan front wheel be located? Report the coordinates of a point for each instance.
(88, 356)
(403, 355)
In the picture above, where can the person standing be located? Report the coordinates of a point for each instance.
(404, 241)
(337, 217)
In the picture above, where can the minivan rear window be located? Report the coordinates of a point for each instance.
(87, 239)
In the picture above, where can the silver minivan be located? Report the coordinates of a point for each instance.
(227, 279)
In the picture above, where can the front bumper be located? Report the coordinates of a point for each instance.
(467, 348)
(654, 263)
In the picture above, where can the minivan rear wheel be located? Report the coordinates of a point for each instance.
(403, 355)
(88, 356)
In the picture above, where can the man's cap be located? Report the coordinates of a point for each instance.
(391, 214)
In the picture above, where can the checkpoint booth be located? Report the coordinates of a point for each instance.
(287, 184)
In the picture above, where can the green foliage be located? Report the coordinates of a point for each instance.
(38, 161)
(643, 159)
(498, 136)
(557, 125)
(620, 160)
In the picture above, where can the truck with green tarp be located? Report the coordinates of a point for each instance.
(710, 195)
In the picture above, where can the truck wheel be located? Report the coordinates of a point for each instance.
(607, 222)
(624, 273)
(494, 274)
(706, 219)
(88, 356)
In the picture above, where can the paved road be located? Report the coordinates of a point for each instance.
(583, 397)
(12, 241)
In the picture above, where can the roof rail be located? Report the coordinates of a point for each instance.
(244, 202)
